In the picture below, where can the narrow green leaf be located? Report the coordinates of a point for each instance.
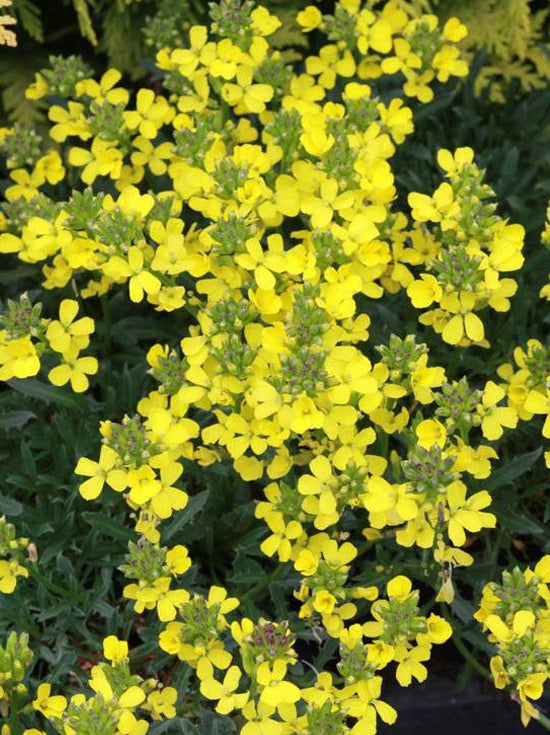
(114, 529)
(44, 392)
(29, 465)
(512, 470)
(520, 522)
(15, 419)
(194, 506)
(214, 724)
(175, 725)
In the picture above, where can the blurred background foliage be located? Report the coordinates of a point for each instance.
(127, 33)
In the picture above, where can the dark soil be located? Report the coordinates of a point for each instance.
(436, 708)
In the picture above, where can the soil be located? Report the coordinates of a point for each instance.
(436, 708)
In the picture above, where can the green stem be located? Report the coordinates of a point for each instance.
(463, 650)
(544, 721)
(13, 719)
(471, 660)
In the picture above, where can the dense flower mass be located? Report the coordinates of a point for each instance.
(258, 200)
(515, 615)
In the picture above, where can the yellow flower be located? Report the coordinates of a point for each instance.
(282, 535)
(47, 705)
(50, 168)
(103, 159)
(100, 473)
(9, 571)
(150, 115)
(538, 402)
(463, 325)
(410, 665)
(104, 90)
(441, 208)
(224, 692)
(264, 22)
(306, 562)
(68, 121)
(467, 514)
(324, 602)
(114, 649)
(309, 18)
(439, 629)
(452, 163)
(454, 30)
(321, 208)
(424, 292)
(18, 358)
(430, 433)
(141, 280)
(245, 96)
(495, 417)
(38, 89)
(65, 332)
(388, 504)
(276, 691)
(74, 370)
(319, 488)
(162, 703)
(399, 588)
(500, 677)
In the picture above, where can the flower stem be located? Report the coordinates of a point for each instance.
(544, 721)
(471, 660)
(463, 650)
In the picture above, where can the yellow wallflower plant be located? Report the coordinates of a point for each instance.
(256, 201)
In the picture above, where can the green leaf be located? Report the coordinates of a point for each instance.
(16, 73)
(512, 470)
(194, 506)
(463, 609)
(479, 641)
(29, 16)
(111, 527)
(44, 392)
(520, 522)
(246, 570)
(214, 724)
(17, 273)
(132, 329)
(29, 465)
(15, 419)
(84, 21)
(10, 506)
(176, 725)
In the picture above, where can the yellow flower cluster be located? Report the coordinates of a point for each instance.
(528, 387)
(513, 34)
(15, 660)
(516, 616)
(12, 561)
(26, 337)
(465, 251)
(421, 53)
(118, 702)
